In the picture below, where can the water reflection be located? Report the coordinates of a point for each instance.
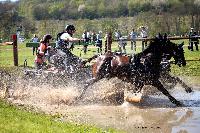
(133, 119)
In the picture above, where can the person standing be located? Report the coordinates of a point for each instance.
(121, 42)
(99, 42)
(193, 40)
(86, 38)
(35, 39)
(93, 37)
(143, 34)
(133, 36)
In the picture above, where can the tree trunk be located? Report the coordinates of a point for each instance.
(178, 25)
(192, 21)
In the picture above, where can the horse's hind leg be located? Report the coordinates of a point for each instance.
(161, 88)
(87, 84)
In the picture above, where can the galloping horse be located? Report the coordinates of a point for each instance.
(141, 69)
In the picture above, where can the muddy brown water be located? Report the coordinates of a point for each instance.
(154, 114)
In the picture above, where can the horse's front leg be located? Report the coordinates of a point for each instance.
(161, 88)
(175, 80)
(183, 84)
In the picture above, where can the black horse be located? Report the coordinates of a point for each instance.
(143, 68)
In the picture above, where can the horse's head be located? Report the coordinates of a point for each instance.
(177, 52)
(170, 49)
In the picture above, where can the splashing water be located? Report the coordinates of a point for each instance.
(98, 105)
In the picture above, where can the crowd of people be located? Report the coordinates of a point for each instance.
(142, 33)
(65, 42)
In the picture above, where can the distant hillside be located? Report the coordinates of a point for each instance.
(171, 16)
(51, 16)
(91, 9)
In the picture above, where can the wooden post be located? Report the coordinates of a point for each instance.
(106, 43)
(15, 51)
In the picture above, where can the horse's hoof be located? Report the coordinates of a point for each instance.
(179, 104)
(133, 97)
(188, 90)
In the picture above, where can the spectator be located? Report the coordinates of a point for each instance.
(35, 39)
(86, 38)
(93, 37)
(143, 34)
(99, 42)
(118, 34)
(193, 40)
(133, 36)
(121, 42)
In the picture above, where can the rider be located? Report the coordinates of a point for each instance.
(64, 45)
(40, 60)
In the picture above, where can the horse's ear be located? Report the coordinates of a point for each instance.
(165, 36)
(160, 36)
(181, 45)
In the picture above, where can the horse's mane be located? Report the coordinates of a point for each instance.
(158, 42)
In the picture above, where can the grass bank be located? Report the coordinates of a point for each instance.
(15, 120)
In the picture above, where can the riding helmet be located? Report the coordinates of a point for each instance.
(47, 37)
(70, 27)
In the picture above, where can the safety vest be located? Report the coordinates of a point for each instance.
(42, 49)
(62, 44)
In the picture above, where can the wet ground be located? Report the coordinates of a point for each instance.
(154, 114)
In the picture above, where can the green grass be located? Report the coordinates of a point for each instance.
(192, 68)
(6, 54)
(14, 120)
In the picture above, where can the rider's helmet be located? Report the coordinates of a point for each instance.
(70, 27)
(46, 37)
